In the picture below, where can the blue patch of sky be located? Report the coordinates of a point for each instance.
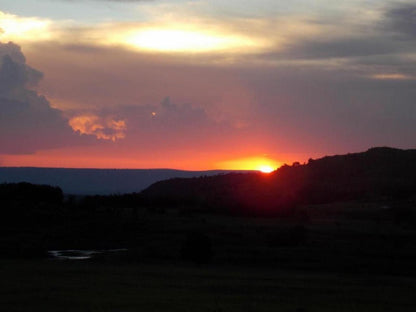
(92, 11)
(86, 11)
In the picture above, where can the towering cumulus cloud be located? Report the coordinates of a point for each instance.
(27, 120)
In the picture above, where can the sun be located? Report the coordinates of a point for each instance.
(257, 163)
(265, 168)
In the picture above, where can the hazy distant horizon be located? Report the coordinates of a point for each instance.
(89, 181)
(109, 168)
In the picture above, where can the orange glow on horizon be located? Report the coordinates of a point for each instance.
(263, 164)
(87, 157)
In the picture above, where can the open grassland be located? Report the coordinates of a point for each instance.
(52, 285)
(352, 256)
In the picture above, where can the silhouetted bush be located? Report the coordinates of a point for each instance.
(197, 248)
(27, 192)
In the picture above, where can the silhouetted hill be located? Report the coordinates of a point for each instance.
(31, 193)
(379, 173)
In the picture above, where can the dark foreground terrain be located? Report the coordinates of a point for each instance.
(351, 256)
(352, 252)
(48, 285)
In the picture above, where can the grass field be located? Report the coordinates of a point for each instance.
(343, 257)
(54, 285)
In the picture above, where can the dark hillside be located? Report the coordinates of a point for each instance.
(27, 192)
(379, 173)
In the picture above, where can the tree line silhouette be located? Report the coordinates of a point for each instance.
(380, 173)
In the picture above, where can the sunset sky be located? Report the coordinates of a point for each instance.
(204, 84)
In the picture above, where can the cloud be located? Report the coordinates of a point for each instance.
(13, 51)
(379, 45)
(348, 47)
(165, 120)
(331, 84)
(17, 28)
(27, 120)
(158, 33)
(402, 19)
(106, 128)
(14, 75)
(364, 34)
(153, 126)
(162, 128)
(179, 116)
(285, 107)
(392, 76)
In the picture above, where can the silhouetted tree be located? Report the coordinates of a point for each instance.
(27, 192)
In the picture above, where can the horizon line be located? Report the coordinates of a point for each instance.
(89, 168)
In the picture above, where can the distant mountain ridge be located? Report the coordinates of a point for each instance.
(96, 181)
(378, 173)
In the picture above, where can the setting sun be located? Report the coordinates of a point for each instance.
(266, 169)
(263, 164)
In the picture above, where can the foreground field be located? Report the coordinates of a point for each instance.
(52, 285)
(344, 256)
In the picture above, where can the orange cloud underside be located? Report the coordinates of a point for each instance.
(107, 129)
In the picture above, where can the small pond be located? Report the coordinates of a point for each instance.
(76, 254)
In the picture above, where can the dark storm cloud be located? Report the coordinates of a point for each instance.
(394, 33)
(181, 115)
(168, 122)
(158, 129)
(27, 121)
(345, 47)
(13, 51)
(402, 19)
(390, 63)
(14, 75)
